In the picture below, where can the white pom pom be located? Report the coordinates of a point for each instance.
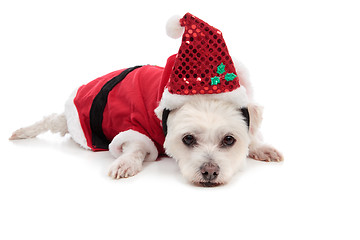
(173, 27)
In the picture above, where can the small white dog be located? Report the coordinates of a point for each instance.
(198, 110)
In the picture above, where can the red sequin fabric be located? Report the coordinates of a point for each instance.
(203, 64)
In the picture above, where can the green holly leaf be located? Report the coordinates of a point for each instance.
(221, 68)
(215, 80)
(230, 76)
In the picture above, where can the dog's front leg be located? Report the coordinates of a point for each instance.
(130, 148)
(258, 150)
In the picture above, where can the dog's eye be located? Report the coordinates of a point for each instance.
(228, 141)
(189, 140)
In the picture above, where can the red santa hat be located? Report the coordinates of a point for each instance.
(203, 66)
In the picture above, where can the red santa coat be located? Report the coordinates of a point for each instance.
(120, 101)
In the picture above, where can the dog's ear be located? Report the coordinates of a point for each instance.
(255, 113)
(245, 113)
(165, 116)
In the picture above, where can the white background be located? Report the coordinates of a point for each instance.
(304, 61)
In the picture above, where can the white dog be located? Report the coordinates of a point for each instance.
(208, 127)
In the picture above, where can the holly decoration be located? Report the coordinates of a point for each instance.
(221, 70)
(215, 80)
(230, 76)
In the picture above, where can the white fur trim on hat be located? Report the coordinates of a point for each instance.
(173, 101)
(244, 78)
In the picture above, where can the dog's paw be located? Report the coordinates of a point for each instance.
(266, 153)
(125, 167)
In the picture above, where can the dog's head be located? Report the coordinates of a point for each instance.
(209, 139)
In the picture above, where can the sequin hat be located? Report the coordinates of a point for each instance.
(202, 66)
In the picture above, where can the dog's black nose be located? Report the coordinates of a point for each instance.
(210, 171)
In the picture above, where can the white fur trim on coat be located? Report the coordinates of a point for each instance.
(73, 122)
(132, 136)
(172, 101)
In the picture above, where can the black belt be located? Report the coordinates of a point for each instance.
(99, 139)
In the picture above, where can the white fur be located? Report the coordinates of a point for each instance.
(173, 27)
(129, 162)
(258, 150)
(119, 140)
(130, 149)
(264, 152)
(209, 120)
(56, 123)
(73, 122)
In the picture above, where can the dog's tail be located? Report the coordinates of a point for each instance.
(56, 123)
